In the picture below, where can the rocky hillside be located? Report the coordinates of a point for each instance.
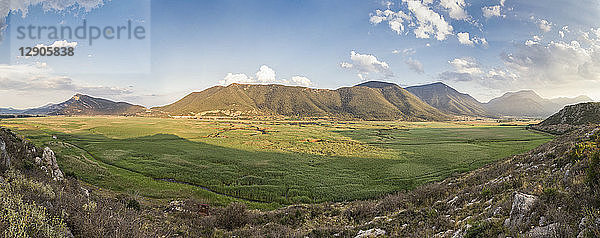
(580, 114)
(570, 118)
(389, 102)
(448, 100)
(38, 200)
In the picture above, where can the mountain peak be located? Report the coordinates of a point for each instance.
(448, 99)
(78, 96)
(376, 84)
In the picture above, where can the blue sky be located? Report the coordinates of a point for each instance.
(483, 48)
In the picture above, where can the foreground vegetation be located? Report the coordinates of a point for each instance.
(267, 163)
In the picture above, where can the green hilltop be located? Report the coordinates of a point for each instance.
(387, 102)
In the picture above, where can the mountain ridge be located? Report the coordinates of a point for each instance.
(448, 99)
(386, 102)
(527, 103)
(81, 104)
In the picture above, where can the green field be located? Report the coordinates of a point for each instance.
(268, 163)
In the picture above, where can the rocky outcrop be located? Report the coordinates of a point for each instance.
(370, 233)
(521, 206)
(49, 165)
(4, 158)
(16, 152)
(548, 231)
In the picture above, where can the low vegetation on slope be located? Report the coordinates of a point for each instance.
(448, 100)
(365, 103)
(571, 117)
(551, 191)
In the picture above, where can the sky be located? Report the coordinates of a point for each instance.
(483, 48)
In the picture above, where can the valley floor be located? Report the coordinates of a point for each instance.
(267, 164)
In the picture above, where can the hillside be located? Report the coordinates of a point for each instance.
(527, 103)
(448, 100)
(571, 117)
(88, 106)
(359, 102)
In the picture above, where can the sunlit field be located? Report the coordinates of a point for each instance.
(268, 163)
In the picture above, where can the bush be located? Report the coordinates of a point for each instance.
(235, 215)
(361, 211)
(593, 171)
(133, 204)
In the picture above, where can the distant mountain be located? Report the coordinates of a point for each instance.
(527, 103)
(86, 105)
(448, 100)
(385, 102)
(5, 111)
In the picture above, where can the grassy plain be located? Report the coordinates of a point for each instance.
(268, 163)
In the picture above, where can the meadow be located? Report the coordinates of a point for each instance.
(267, 164)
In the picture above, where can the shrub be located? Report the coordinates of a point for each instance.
(360, 211)
(133, 204)
(235, 215)
(593, 171)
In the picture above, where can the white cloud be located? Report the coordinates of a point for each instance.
(491, 11)
(564, 31)
(455, 8)
(544, 25)
(264, 75)
(34, 78)
(301, 81)
(62, 43)
(553, 68)
(22, 6)
(464, 39)
(415, 65)
(236, 78)
(366, 64)
(428, 22)
(409, 52)
(395, 19)
(421, 18)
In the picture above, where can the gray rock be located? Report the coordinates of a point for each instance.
(51, 167)
(521, 206)
(4, 158)
(544, 231)
(370, 233)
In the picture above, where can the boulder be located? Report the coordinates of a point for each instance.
(370, 233)
(544, 231)
(4, 159)
(49, 164)
(519, 213)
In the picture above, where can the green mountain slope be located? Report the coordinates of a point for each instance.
(360, 102)
(448, 100)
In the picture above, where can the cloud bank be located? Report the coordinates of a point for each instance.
(366, 65)
(265, 75)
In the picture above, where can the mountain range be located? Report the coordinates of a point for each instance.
(371, 100)
(367, 101)
(448, 100)
(527, 103)
(82, 105)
